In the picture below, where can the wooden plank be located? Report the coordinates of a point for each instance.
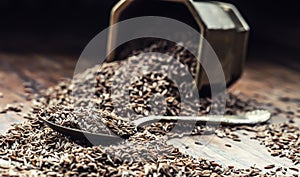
(40, 71)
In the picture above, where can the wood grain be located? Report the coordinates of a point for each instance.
(37, 70)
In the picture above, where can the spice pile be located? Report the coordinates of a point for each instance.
(147, 83)
(105, 99)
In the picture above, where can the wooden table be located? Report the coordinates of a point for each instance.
(264, 80)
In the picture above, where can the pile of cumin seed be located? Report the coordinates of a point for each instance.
(32, 148)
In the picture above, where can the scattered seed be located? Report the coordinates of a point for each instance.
(198, 143)
(269, 166)
(294, 169)
(228, 145)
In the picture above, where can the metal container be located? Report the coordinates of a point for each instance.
(219, 23)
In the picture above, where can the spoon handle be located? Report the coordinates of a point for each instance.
(248, 118)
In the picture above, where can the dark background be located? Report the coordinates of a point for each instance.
(66, 26)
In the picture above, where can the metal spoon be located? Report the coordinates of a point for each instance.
(248, 118)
